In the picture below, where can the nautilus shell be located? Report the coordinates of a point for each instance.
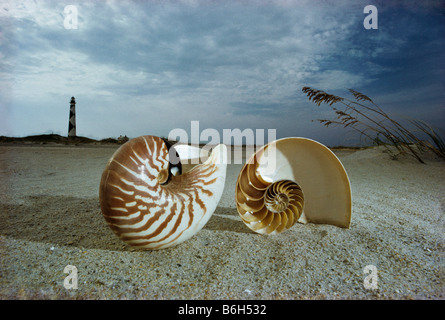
(293, 180)
(149, 203)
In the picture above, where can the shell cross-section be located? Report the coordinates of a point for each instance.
(148, 207)
(293, 180)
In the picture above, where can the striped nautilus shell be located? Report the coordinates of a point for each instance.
(293, 180)
(149, 203)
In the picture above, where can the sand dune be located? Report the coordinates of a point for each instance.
(51, 218)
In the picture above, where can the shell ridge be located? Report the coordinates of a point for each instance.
(141, 213)
(128, 192)
(149, 151)
(149, 222)
(161, 157)
(171, 233)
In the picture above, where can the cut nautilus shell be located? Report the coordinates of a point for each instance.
(293, 180)
(149, 203)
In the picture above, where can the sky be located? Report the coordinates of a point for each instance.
(149, 67)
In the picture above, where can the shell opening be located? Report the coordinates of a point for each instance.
(174, 164)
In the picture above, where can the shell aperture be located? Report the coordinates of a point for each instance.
(293, 180)
(146, 205)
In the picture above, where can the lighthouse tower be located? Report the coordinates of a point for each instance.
(72, 120)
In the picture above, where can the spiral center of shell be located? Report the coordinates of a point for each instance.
(277, 202)
(163, 176)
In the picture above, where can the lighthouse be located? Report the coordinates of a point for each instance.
(72, 120)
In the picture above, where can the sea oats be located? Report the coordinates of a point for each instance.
(371, 121)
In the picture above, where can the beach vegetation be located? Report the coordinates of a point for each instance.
(361, 114)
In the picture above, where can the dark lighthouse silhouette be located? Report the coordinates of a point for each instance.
(72, 119)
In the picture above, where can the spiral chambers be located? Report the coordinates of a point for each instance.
(267, 207)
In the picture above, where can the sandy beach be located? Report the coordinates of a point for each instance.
(51, 218)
